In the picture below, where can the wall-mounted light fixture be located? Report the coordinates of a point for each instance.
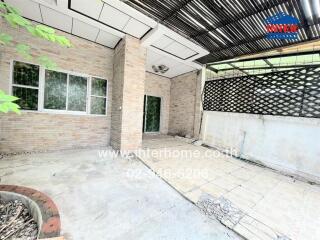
(161, 68)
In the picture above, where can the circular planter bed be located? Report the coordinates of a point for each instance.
(27, 214)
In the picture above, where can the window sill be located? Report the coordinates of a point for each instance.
(63, 113)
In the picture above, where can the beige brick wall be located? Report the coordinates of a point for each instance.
(128, 93)
(42, 131)
(184, 110)
(158, 86)
(117, 90)
(198, 104)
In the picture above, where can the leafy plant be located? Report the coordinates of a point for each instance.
(14, 18)
(44, 60)
(5, 38)
(24, 51)
(7, 103)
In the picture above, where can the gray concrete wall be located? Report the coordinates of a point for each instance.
(287, 144)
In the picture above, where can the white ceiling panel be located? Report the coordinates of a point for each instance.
(56, 19)
(183, 68)
(178, 70)
(113, 17)
(53, 2)
(168, 61)
(175, 68)
(136, 28)
(90, 8)
(29, 9)
(132, 12)
(163, 42)
(107, 39)
(84, 30)
(179, 50)
(172, 72)
(153, 56)
(175, 48)
(187, 52)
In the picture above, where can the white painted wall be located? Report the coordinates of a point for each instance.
(287, 144)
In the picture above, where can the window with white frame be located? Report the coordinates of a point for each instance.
(98, 96)
(61, 91)
(65, 92)
(25, 85)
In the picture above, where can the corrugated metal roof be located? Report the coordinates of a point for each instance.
(230, 28)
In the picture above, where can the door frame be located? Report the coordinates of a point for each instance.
(145, 114)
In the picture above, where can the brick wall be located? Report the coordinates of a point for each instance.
(185, 89)
(42, 131)
(158, 86)
(117, 86)
(125, 70)
(128, 93)
(198, 104)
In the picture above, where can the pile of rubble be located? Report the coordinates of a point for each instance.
(221, 209)
(229, 215)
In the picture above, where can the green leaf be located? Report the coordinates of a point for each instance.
(40, 33)
(7, 105)
(3, 5)
(13, 9)
(10, 20)
(45, 29)
(14, 108)
(32, 30)
(9, 8)
(15, 20)
(48, 34)
(8, 98)
(5, 38)
(47, 62)
(52, 38)
(24, 51)
(4, 108)
(63, 41)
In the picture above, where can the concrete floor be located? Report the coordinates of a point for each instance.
(272, 204)
(110, 198)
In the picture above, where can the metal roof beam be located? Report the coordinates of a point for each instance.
(175, 11)
(235, 67)
(268, 62)
(267, 57)
(253, 40)
(249, 14)
(274, 67)
(213, 69)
